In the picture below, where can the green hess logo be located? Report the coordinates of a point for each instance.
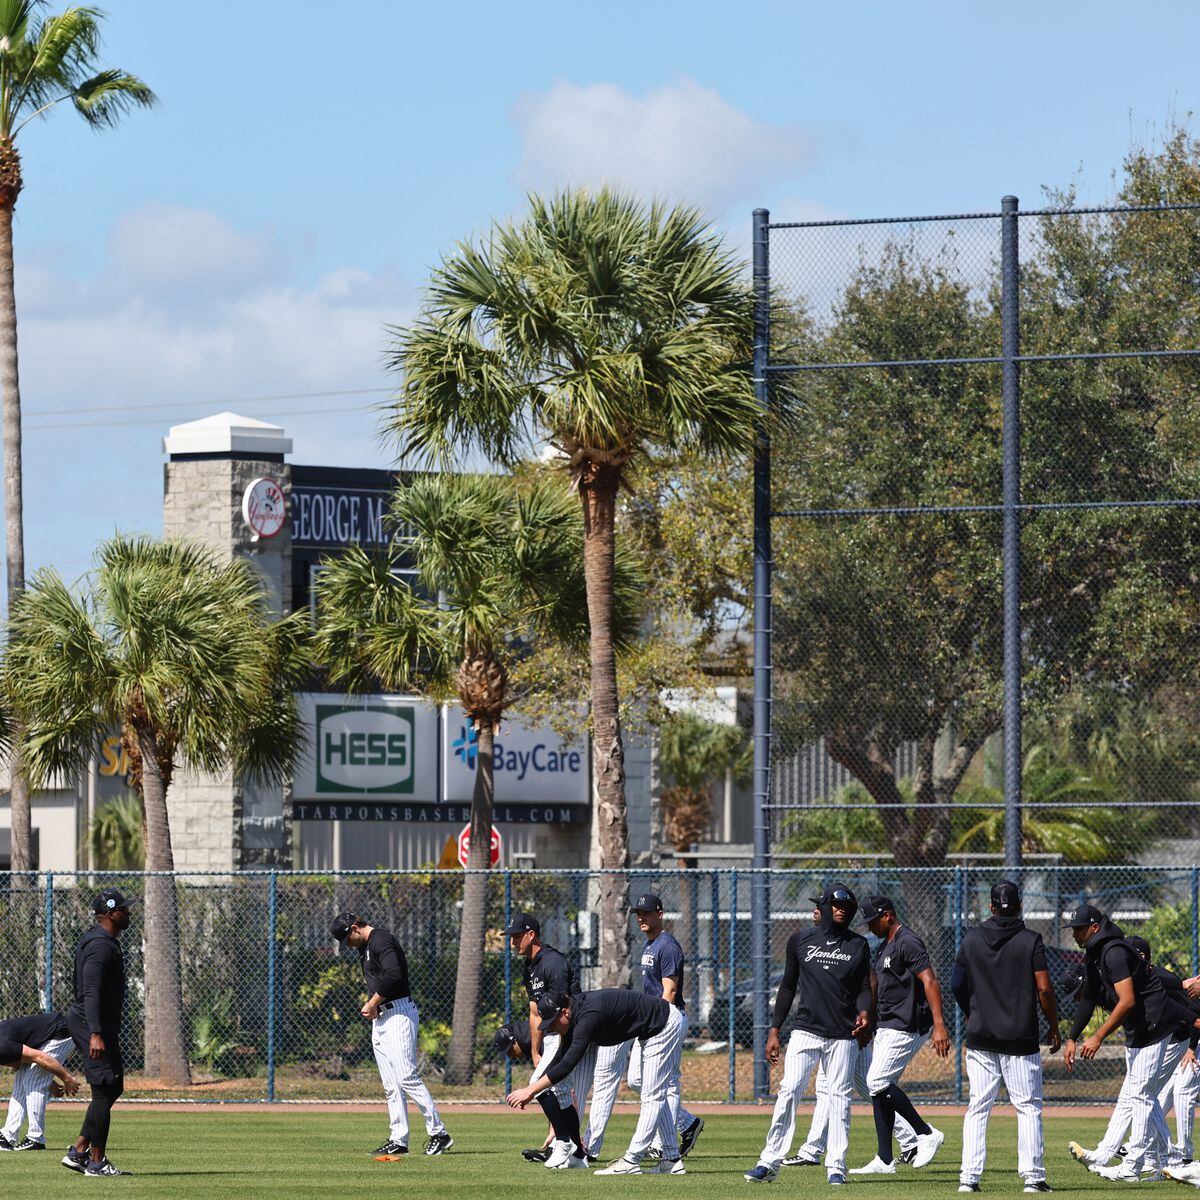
(364, 751)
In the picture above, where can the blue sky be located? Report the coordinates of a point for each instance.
(252, 236)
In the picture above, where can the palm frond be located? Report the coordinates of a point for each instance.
(104, 98)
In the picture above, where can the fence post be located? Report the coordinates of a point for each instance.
(760, 883)
(272, 913)
(1195, 920)
(714, 936)
(48, 994)
(732, 985)
(507, 974)
(959, 897)
(1010, 390)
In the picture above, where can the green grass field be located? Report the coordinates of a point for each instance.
(288, 1155)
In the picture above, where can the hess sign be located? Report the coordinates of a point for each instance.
(464, 846)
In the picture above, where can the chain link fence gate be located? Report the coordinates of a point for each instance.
(978, 547)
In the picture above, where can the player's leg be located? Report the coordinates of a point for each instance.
(387, 1061)
(903, 1131)
(1114, 1134)
(610, 1063)
(659, 1056)
(1186, 1085)
(634, 1074)
(11, 1132)
(813, 1150)
(97, 1120)
(1023, 1081)
(1159, 1156)
(402, 1036)
(837, 1058)
(983, 1079)
(1143, 1067)
(37, 1092)
(803, 1054)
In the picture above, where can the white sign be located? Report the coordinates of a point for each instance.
(530, 764)
(264, 507)
(367, 747)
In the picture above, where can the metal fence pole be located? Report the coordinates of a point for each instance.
(1195, 920)
(272, 912)
(760, 882)
(1010, 387)
(959, 899)
(507, 975)
(732, 986)
(48, 993)
(714, 938)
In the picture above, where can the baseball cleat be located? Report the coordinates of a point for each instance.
(1038, 1185)
(5, 1144)
(875, 1167)
(668, 1166)
(74, 1160)
(836, 1179)
(559, 1153)
(799, 1160)
(572, 1162)
(592, 1159)
(29, 1144)
(1081, 1154)
(968, 1187)
(907, 1154)
(103, 1170)
(439, 1143)
(623, 1166)
(536, 1156)
(390, 1148)
(1118, 1174)
(761, 1174)
(1182, 1175)
(653, 1153)
(688, 1138)
(928, 1144)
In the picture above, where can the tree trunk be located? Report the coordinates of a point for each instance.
(460, 1057)
(166, 1044)
(14, 513)
(598, 491)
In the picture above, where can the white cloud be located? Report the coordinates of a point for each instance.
(680, 141)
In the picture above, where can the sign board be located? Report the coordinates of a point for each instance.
(531, 765)
(367, 748)
(264, 507)
(464, 846)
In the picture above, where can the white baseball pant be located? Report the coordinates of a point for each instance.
(30, 1091)
(661, 1058)
(814, 1146)
(1185, 1090)
(1122, 1116)
(394, 1040)
(564, 1090)
(1147, 1070)
(683, 1118)
(836, 1057)
(1022, 1077)
(600, 1070)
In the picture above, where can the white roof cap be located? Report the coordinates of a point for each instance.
(226, 433)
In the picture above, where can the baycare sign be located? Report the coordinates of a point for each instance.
(373, 747)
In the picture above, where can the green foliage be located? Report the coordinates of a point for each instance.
(1170, 932)
(117, 835)
(210, 1032)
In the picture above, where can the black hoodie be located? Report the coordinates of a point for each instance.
(1156, 1013)
(831, 966)
(99, 983)
(998, 959)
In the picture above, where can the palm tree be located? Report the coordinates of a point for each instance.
(609, 329)
(117, 834)
(499, 565)
(177, 650)
(44, 62)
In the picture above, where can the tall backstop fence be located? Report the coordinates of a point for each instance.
(977, 537)
(270, 1004)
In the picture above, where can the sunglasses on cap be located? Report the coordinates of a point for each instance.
(840, 894)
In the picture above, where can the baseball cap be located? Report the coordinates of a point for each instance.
(876, 906)
(108, 901)
(523, 923)
(341, 924)
(1085, 915)
(834, 891)
(504, 1037)
(1006, 896)
(647, 902)
(1140, 945)
(550, 1006)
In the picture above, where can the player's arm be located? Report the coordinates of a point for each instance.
(671, 968)
(933, 994)
(391, 975)
(38, 1058)
(91, 978)
(670, 988)
(1049, 1002)
(1123, 1007)
(570, 1051)
(535, 1033)
(865, 1003)
(784, 999)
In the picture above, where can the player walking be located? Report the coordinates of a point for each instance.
(909, 1012)
(1000, 979)
(35, 1047)
(394, 1021)
(94, 1022)
(830, 966)
(1156, 1028)
(610, 1017)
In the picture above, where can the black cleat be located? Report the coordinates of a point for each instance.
(799, 1160)
(908, 1155)
(536, 1156)
(592, 1159)
(103, 1170)
(439, 1143)
(1038, 1185)
(29, 1144)
(5, 1144)
(390, 1147)
(75, 1160)
(687, 1139)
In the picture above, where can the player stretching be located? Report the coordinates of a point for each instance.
(34, 1047)
(394, 1019)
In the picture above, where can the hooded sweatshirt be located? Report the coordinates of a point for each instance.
(997, 961)
(99, 983)
(830, 966)
(1156, 1012)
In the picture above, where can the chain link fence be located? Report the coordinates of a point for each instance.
(271, 1008)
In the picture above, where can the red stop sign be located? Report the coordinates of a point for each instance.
(464, 846)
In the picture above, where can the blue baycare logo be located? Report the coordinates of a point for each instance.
(539, 759)
(466, 745)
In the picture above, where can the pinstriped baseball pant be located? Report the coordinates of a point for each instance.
(30, 1090)
(661, 1055)
(602, 1076)
(565, 1091)
(1147, 1070)
(1022, 1078)
(1122, 1115)
(394, 1040)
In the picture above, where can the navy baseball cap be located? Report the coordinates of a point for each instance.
(876, 906)
(1085, 915)
(523, 923)
(835, 891)
(1140, 945)
(503, 1038)
(1006, 896)
(108, 901)
(550, 1006)
(647, 902)
(341, 924)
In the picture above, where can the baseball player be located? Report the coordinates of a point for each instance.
(514, 1041)
(94, 1022)
(394, 1020)
(1156, 1027)
(607, 1018)
(1180, 1091)
(35, 1047)
(908, 1014)
(1000, 979)
(549, 972)
(830, 966)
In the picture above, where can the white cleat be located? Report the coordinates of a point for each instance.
(928, 1144)
(575, 1162)
(668, 1166)
(1184, 1174)
(1118, 1174)
(875, 1167)
(560, 1153)
(623, 1166)
(1081, 1154)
